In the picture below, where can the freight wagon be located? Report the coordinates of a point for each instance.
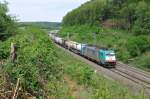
(58, 40)
(73, 46)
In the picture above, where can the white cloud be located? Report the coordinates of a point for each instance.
(42, 10)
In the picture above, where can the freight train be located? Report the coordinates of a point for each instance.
(102, 56)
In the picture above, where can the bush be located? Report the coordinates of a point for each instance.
(142, 24)
(143, 62)
(137, 45)
(4, 50)
(36, 64)
(7, 24)
(82, 74)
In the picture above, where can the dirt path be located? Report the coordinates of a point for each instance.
(1, 62)
(75, 90)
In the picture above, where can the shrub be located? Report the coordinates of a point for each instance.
(7, 24)
(36, 63)
(142, 24)
(137, 45)
(143, 62)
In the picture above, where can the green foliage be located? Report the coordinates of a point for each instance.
(137, 45)
(83, 74)
(142, 24)
(143, 62)
(36, 63)
(4, 50)
(132, 15)
(7, 25)
(88, 13)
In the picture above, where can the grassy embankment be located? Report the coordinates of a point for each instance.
(129, 48)
(36, 66)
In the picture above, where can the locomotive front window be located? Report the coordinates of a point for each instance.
(112, 54)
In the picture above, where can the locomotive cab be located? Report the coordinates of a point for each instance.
(107, 58)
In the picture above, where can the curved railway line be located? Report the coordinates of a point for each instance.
(133, 69)
(134, 78)
(136, 75)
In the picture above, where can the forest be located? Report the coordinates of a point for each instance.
(131, 15)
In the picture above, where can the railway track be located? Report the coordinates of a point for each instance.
(133, 69)
(136, 75)
(134, 78)
(142, 76)
(130, 76)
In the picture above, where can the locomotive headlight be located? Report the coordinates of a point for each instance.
(110, 57)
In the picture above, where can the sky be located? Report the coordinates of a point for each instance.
(42, 10)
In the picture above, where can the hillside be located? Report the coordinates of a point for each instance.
(121, 25)
(133, 15)
(43, 25)
(35, 68)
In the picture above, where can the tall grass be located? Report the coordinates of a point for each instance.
(36, 65)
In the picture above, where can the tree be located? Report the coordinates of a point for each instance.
(142, 24)
(7, 24)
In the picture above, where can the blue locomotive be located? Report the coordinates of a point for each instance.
(103, 57)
